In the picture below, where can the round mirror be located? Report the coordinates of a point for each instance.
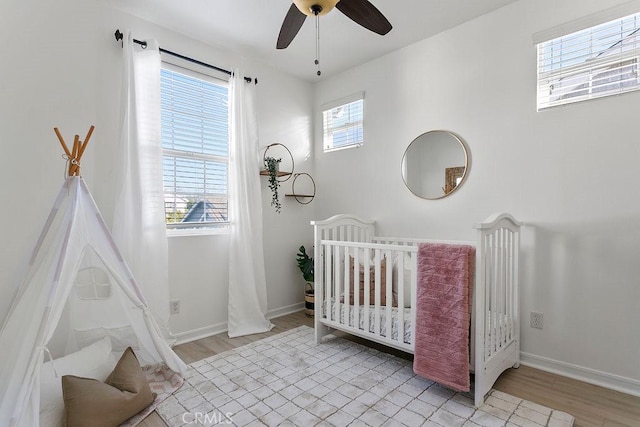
(435, 164)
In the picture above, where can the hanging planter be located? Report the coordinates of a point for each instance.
(272, 170)
(272, 165)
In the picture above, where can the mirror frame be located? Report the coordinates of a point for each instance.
(464, 174)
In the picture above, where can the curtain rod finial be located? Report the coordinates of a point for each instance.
(118, 35)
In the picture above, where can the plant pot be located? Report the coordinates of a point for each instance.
(309, 301)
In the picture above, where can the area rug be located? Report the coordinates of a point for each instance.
(288, 379)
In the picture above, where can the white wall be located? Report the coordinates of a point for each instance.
(47, 79)
(62, 68)
(569, 173)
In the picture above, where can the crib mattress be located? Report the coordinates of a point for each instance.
(348, 311)
(501, 324)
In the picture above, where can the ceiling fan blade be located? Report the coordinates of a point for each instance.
(364, 13)
(290, 27)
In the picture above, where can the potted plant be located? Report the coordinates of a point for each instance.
(272, 165)
(305, 264)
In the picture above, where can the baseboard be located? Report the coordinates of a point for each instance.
(587, 375)
(207, 331)
(283, 311)
(198, 334)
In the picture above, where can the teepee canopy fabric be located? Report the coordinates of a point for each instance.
(78, 289)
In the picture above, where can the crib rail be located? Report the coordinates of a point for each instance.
(363, 290)
(406, 241)
(496, 308)
(343, 228)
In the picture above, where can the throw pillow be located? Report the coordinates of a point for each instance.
(371, 284)
(125, 392)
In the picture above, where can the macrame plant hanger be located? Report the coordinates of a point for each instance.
(73, 157)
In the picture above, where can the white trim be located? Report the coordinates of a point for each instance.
(194, 70)
(342, 101)
(283, 311)
(587, 375)
(219, 328)
(204, 231)
(200, 333)
(344, 147)
(622, 10)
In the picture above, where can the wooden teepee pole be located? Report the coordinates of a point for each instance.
(61, 139)
(77, 151)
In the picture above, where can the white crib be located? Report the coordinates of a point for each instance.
(343, 242)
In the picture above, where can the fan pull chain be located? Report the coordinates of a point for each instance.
(317, 61)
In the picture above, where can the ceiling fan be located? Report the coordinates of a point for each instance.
(360, 11)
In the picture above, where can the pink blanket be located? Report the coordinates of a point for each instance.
(445, 285)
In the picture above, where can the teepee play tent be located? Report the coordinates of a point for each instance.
(77, 301)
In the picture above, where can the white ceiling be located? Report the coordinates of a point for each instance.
(251, 27)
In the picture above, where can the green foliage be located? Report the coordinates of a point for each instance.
(271, 165)
(175, 216)
(305, 264)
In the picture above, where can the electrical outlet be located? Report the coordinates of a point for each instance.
(536, 320)
(174, 306)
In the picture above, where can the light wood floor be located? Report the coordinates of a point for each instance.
(590, 405)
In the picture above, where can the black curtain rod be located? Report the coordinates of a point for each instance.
(119, 36)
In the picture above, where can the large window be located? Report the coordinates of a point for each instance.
(598, 61)
(195, 142)
(343, 123)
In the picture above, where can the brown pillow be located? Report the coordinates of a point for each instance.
(125, 392)
(372, 283)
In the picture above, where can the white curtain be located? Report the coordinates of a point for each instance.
(247, 281)
(139, 218)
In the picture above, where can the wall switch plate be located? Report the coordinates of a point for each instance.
(174, 306)
(536, 320)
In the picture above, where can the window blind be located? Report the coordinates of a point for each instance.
(343, 123)
(195, 142)
(598, 61)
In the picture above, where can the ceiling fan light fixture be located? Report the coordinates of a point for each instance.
(307, 6)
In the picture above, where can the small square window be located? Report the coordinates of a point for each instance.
(343, 123)
(592, 63)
